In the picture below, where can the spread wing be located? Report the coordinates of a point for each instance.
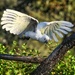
(56, 28)
(17, 22)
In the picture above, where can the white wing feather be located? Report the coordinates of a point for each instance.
(17, 22)
(55, 27)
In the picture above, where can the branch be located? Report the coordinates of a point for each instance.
(26, 59)
(48, 64)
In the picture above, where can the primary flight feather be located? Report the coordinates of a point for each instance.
(24, 25)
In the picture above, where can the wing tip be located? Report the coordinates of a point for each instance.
(67, 23)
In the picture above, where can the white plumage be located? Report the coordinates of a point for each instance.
(24, 25)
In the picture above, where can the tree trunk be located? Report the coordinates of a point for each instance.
(48, 64)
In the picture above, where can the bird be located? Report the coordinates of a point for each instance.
(23, 25)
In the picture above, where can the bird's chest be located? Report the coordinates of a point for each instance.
(37, 36)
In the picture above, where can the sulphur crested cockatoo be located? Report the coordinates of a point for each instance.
(24, 25)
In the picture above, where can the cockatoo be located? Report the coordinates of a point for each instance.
(24, 25)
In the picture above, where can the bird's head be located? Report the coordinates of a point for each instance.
(44, 38)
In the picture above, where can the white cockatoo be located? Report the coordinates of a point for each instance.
(24, 25)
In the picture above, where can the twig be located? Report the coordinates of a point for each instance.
(26, 59)
(48, 64)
